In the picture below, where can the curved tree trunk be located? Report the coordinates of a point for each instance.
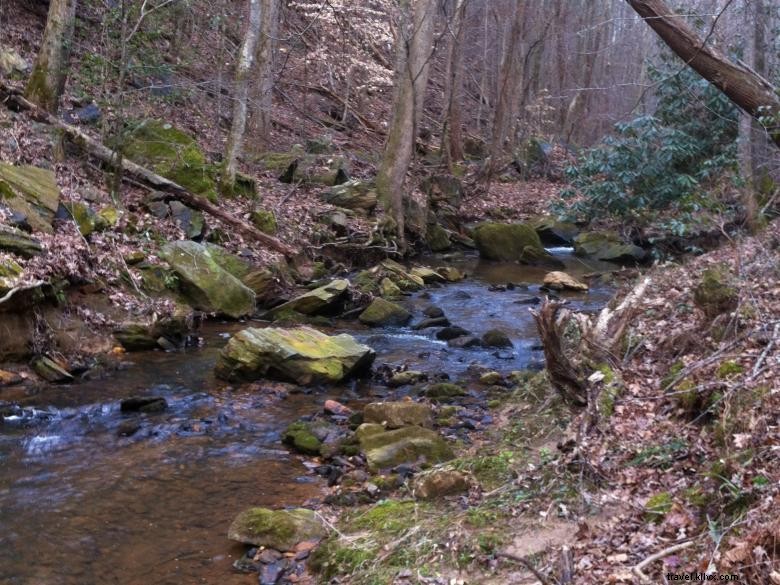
(741, 85)
(47, 80)
(241, 98)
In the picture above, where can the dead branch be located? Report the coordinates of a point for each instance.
(528, 565)
(110, 158)
(637, 570)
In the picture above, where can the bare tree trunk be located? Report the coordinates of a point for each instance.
(452, 131)
(241, 98)
(413, 48)
(509, 80)
(47, 80)
(741, 85)
(261, 116)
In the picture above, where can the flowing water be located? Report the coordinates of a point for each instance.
(89, 495)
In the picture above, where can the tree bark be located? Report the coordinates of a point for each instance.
(240, 104)
(452, 130)
(264, 67)
(413, 50)
(744, 87)
(47, 80)
(509, 81)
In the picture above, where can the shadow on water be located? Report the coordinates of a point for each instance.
(91, 495)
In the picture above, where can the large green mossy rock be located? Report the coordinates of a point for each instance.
(395, 415)
(437, 238)
(356, 195)
(607, 246)
(172, 153)
(277, 529)
(512, 242)
(324, 299)
(382, 313)
(405, 445)
(31, 192)
(206, 285)
(17, 242)
(716, 292)
(300, 436)
(555, 233)
(302, 355)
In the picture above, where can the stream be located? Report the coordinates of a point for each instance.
(90, 495)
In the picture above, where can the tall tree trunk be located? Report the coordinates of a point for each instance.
(744, 87)
(413, 51)
(47, 80)
(241, 98)
(452, 131)
(264, 66)
(510, 77)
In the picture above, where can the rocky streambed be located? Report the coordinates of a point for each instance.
(95, 488)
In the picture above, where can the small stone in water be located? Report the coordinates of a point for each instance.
(334, 407)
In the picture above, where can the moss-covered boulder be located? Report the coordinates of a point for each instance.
(450, 273)
(389, 290)
(265, 221)
(405, 378)
(300, 436)
(302, 355)
(17, 242)
(512, 242)
(607, 246)
(437, 238)
(405, 280)
(30, 192)
(206, 285)
(716, 292)
(563, 281)
(172, 153)
(406, 445)
(323, 300)
(444, 392)
(355, 195)
(496, 338)
(83, 216)
(381, 313)
(555, 233)
(395, 415)
(277, 529)
(428, 275)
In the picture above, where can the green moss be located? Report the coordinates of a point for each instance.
(444, 392)
(299, 436)
(489, 470)
(728, 369)
(716, 293)
(481, 517)
(263, 521)
(173, 154)
(332, 558)
(658, 506)
(265, 221)
(388, 516)
(671, 375)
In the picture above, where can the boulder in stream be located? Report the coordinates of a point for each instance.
(302, 355)
(563, 281)
(382, 313)
(277, 529)
(512, 242)
(607, 246)
(324, 299)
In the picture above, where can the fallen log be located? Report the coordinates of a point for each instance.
(109, 157)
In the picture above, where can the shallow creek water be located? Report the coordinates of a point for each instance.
(81, 504)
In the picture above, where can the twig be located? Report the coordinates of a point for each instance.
(528, 565)
(637, 570)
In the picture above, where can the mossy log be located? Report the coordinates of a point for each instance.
(110, 158)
